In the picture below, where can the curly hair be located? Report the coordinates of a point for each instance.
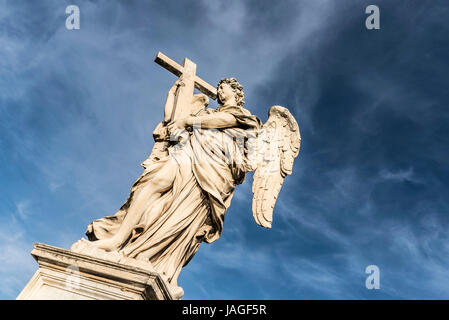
(236, 87)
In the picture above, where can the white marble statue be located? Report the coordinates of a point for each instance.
(199, 157)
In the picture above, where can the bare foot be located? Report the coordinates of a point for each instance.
(89, 248)
(106, 244)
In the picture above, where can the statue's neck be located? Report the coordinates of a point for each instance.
(229, 104)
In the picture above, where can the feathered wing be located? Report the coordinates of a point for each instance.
(278, 145)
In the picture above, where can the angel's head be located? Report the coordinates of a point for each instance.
(230, 91)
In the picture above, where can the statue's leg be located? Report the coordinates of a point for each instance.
(161, 182)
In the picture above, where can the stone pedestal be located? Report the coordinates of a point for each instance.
(66, 275)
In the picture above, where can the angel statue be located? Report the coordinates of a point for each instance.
(181, 198)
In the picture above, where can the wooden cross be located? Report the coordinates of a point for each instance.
(184, 96)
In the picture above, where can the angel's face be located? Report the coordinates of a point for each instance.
(225, 92)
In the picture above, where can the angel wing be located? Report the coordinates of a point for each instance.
(278, 145)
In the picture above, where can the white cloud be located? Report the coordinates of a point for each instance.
(16, 264)
(23, 209)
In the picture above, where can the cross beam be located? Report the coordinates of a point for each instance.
(164, 61)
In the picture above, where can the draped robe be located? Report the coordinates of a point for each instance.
(209, 163)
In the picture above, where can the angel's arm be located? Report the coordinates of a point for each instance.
(216, 120)
(169, 103)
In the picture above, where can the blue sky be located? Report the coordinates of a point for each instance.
(370, 186)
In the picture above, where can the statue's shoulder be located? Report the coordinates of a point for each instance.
(246, 111)
(243, 116)
(233, 109)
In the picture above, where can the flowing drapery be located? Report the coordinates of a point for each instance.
(209, 164)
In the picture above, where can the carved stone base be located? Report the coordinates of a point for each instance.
(66, 275)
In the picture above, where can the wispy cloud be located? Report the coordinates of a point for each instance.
(370, 183)
(23, 209)
(16, 264)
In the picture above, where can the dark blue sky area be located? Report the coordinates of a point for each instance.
(370, 185)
